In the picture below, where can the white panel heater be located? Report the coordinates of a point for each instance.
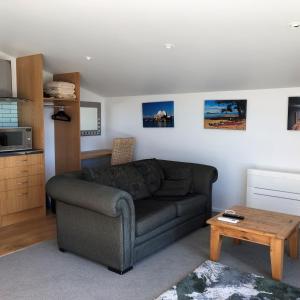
(275, 191)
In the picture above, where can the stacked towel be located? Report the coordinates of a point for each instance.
(60, 89)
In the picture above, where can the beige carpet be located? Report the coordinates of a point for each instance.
(42, 272)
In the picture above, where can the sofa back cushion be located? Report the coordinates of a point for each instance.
(124, 177)
(178, 181)
(152, 173)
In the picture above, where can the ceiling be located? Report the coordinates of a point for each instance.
(219, 45)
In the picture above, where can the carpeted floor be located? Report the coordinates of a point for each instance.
(42, 272)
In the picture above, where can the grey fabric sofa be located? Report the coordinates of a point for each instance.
(118, 215)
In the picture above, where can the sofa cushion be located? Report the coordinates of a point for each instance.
(191, 204)
(152, 173)
(150, 214)
(124, 177)
(178, 182)
(178, 173)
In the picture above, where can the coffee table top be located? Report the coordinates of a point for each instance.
(260, 221)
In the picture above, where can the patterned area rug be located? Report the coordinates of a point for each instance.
(215, 281)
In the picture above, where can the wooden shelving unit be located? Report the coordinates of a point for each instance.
(54, 100)
(26, 200)
(30, 86)
(13, 99)
(95, 154)
(67, 134)
(22, 177)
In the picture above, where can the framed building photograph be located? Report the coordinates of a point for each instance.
(158, 114)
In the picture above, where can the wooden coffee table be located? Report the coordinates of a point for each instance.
(262, 227)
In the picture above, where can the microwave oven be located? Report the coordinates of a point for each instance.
(15, 139)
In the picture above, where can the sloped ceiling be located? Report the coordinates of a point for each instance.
(219, 44)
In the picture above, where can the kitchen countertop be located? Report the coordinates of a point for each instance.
(22, 152)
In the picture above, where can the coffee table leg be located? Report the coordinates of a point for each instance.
(293, 241)
(276, 253)
(215, 244)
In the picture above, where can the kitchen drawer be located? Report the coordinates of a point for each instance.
(23, 160)
(23, 182)
(36, 169)
(15, 172)
(22, 199)
(2, 198)
(2, 161)
(2, 185)
(23, 171)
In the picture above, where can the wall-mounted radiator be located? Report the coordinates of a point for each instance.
(275, 191)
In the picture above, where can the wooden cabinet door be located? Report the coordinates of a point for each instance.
(2, 185)
(2, 162)
(23, 171)
(22, 199)
(2, 170)
(22, 188)
(23, 182)
(23, 160)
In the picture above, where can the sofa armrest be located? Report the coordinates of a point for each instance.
(94, 220)
(93, 196)
(203, 178)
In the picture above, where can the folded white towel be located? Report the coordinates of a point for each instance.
(60, 90)
(59, 84)
(65, 96)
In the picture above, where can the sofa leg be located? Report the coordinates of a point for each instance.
(62, 250)
(118, 271)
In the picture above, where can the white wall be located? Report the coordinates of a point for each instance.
(265, 144)
(13, 71)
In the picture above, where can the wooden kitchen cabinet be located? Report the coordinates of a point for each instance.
(22, 188)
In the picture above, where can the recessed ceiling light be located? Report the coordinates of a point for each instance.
(88, 57)
(294, 24)
(169, 46)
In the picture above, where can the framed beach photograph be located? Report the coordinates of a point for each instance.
(225, 114)
(158, 114)
(294, 113)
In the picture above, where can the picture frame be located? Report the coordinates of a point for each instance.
(158, 114)
(225, 114)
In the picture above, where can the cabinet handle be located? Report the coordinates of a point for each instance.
(23, 194)
(24, 171)
(22, 182)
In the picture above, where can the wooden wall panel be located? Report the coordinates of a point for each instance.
(67, 134)
(30, 86)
